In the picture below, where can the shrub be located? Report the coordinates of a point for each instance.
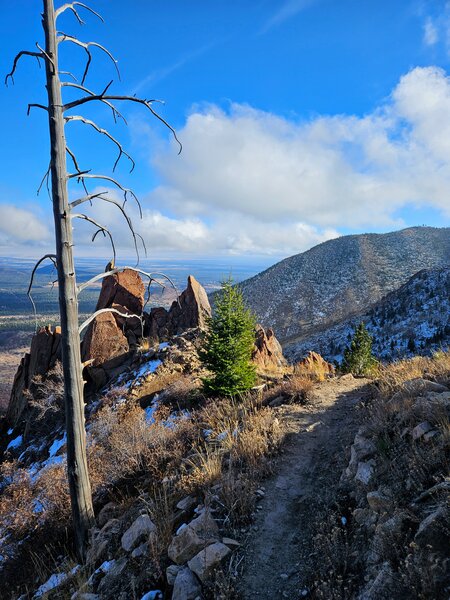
(227, 348)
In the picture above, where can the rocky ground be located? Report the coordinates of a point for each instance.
(278, 559)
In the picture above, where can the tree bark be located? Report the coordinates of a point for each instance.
(79, 485)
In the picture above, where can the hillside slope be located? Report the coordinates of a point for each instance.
(341, 278)
(415, 319)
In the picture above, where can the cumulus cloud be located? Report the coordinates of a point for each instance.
(254, 173)
(18, 225)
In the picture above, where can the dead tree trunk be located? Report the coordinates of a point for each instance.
(80, 489)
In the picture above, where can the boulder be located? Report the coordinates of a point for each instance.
(316, 363)
(381, 587)
(268, 354)
(378, 502)
(45, 350)
(421, 429)
(171, 573)
(110, 337)
(361, 449)
(208, 559)
(141, 530)
(186, 586)
(433, 531)
(190, 311)
(192, 538)
(113, 579)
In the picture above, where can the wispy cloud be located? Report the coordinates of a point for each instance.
(289, 9)
(430, 33)
(160, 74)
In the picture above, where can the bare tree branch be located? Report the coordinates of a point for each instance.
(71, 6)
(151, 276)
(101, 229)
(75, 164)
(116, 114)
(69, 74)
(107, 134)
(88, 198)
(87, 175)
(147, 103)
(51, 257)
(46, 176)
(100, 196)
(64, 37)
(105, 310)
(30, 106)
(37, 55)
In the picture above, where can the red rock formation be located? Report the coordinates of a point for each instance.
(110, 337)
(268, 354)
(315, 362)
(190, 311)
(45, 350)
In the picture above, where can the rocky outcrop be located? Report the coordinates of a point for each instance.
(315, 362)
(45, 350)
(268, 354)
(110, 336)
(191, 310)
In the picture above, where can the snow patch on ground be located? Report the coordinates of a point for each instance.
(15, 443)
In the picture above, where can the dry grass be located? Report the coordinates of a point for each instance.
(392, 377)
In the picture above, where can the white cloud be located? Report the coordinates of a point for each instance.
(430, 33)
(289, 9)
(258, 175)
(18, 225)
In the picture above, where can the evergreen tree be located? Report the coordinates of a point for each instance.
(227, 348)
(358, 358)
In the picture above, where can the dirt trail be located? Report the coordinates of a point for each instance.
(313, 459)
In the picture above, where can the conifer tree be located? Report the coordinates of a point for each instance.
(228, 345)
(358, 357)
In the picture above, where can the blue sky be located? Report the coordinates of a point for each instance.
(300, 120)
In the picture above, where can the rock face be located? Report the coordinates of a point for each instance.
(110, 338)
(268, 354)
(190, 311)
(45, 350)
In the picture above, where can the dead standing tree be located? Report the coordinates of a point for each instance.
(58, 117)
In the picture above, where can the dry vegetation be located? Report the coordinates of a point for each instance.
(219, 450)
(412, 476)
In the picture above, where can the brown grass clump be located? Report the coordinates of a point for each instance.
(391, 377)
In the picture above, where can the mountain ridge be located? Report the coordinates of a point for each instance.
(341, 278)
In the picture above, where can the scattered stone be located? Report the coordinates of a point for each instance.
(379, 502)
(113, 577)
(421, 429)
(381, 587)
(171, 573)
(230, 543)
(143, 527)
(434, 532)
(365, 471)
(141, 551)
(187, 504)
(108, 512)
(186, 586)
(204, 563)
(192, 538)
